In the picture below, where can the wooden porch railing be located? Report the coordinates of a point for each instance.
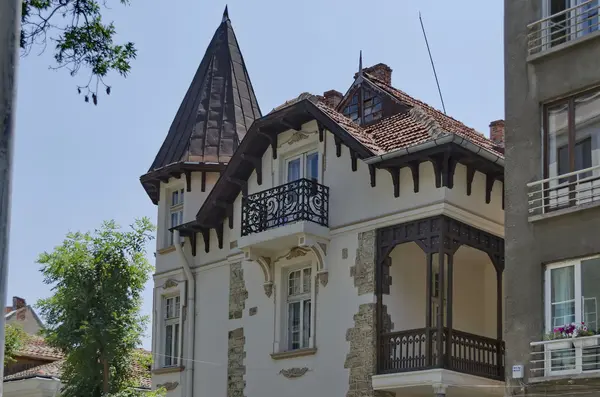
(415, 350)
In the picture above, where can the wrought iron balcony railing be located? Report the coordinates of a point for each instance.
(301, 200)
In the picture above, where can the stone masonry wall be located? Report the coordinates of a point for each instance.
(361, 359)
(236, 370)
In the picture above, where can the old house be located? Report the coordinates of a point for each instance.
(341, 244)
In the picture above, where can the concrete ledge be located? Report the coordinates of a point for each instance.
(561, 47)
(167, 370)
(564, 211)
(294, 353)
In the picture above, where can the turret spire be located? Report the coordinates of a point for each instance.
(225, 14)
(360, 68)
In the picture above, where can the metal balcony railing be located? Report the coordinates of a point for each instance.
(563, 26)
(300, 200)
(563, 191)
(560, 357)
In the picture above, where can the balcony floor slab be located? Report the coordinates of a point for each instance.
(422, 383)
(283, 237)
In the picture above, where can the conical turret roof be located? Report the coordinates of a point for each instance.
(216, 112)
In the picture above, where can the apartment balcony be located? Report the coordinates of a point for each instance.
(285, 216)
(565, 358)
(565, 193)
(439, 309)
(563, 28)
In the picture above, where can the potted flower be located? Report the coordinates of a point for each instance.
(581, 332)
(562, 337)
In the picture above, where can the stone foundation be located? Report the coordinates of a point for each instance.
(363, 270)
(237, 291)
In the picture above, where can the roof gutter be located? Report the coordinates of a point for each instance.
(191, 306)
(451, 138)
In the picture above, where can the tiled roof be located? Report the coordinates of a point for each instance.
(54, 370)
(35, 346)
(423, 124)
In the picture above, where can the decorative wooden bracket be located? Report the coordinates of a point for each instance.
(241, 183)
(372, 171)
(229, 210)
(176, 175)
(321, 131)
(257, 164)
(188, 181)
(338, 145)
(395, 173)
(414, 169)
(470, 176)
(489, 185)
(206, 237)
(203, 182)
(219, 230)
(354, 162)
(272, 140)
(193, 241)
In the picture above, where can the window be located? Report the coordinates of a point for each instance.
(572, 143)
(364, 111)
(299, 283)
(305, 165)
(569, 19)
(572, 293)
(175, 211)
(172, 310)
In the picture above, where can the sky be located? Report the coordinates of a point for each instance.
(77, 164)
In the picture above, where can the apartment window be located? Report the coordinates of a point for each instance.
(175, 211)
(572, 293)
(299, 308)
(572, 143)
(569, 19)
(172, 334)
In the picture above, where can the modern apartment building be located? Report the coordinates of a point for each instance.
(552, 277)
(340, 245)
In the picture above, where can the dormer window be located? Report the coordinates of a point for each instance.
(365, 110)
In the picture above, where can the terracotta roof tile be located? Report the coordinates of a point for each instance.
(52, 369)
(405, 131)
(35, 346)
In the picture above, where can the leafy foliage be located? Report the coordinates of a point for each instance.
(81, 38)
(15, 338)
(93, 317)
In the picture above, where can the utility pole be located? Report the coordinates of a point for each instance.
(10, 25)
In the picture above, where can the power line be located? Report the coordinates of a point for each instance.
(432, 64)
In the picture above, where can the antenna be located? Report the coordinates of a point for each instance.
(432, 64)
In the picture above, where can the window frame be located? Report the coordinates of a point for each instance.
(360, 94)
(302, 156)
(299, 298)
(174, 209)
(174, 358)
(577, 287)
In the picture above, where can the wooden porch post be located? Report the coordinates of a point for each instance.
(428, 351)
(449, 309)
(440, 313)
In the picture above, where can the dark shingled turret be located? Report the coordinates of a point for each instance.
(214, 116)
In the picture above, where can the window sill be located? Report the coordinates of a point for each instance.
(294, 353)
(166, 250)
(167, 370)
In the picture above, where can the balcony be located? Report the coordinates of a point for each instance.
(563, 27)
(283, 216)
(565, 193)
(439, 314)
(569, 358)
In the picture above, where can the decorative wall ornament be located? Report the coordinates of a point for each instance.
(291, 373)
(323, 277)
(296, 252)
(168, 385)
(170, 283)
(297, 137)
(268, 289)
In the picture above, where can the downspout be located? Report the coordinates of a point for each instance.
(191, 294)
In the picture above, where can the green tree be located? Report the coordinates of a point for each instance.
(81, 39)
(94, 317)
(15, 337)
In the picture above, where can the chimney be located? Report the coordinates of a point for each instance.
(18, 303)
(497, 132)
(332, 98)
(380, 71)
